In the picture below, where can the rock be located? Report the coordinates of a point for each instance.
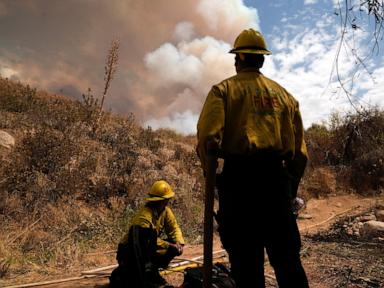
(373, 229)
(379, 215)
(356, 229)
(380, 205)
(366, 218)
(305, 216)
(6, 140)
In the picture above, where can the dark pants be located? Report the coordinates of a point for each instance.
(255, 212)
(138, 261)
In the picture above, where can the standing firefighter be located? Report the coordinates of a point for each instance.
(256, 127)
(142, 252)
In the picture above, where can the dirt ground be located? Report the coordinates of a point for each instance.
(331, 258)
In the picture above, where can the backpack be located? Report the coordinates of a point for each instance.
(193, 277)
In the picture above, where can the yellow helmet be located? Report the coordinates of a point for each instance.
(250, 41)
(160, 190)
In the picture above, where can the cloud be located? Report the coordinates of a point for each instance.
(374, 87)
(309, 2)
(302, 62)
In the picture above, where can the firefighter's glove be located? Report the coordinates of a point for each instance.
(297, 205)
(149, 268)
(177, 248)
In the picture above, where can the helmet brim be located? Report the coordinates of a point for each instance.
(158, 198)
(250, 51)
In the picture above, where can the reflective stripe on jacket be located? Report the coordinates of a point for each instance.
(163, 223)
(248, 113)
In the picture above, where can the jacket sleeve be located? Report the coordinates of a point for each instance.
(162, 245)
(210, 127)
(296, 167)
(172, 229)
(141, 219)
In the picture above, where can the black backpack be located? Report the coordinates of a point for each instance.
(193, 277)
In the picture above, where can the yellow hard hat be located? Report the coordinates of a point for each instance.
(160, 190)
(250, 41)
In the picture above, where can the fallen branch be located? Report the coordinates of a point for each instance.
(175, 267)
(365, 243)
(48, 282)
(91, 272)
(192, 264)
(194, 259)
(98, 272)
(369, 280)
(181, 260)
(172, 265)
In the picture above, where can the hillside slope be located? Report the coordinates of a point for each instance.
(74, 177)
(71, 182)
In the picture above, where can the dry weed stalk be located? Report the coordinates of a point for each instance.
(110, 68)
(109, 72)
(4, 267)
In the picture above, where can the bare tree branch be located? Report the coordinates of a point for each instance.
(353, 15)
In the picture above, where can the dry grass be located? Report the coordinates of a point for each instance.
(352, 149)
(82, 185)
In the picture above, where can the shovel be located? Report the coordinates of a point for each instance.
(210, 182)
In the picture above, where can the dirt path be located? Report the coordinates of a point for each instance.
(321, 213)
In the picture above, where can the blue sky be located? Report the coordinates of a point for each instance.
(172, 52)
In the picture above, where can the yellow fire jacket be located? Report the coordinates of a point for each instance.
(249, 112)
(163, 223)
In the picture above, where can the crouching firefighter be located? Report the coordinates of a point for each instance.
(142, 252)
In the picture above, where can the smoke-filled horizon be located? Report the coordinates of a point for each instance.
(171, 53)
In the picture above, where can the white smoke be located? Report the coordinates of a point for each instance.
(191, 65)
(3, 9)
(7, 72)
(184, 31)
(194, 67)
(228, 17)
(183, 123)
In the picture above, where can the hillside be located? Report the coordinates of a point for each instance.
(72, 180)
(67, 189)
